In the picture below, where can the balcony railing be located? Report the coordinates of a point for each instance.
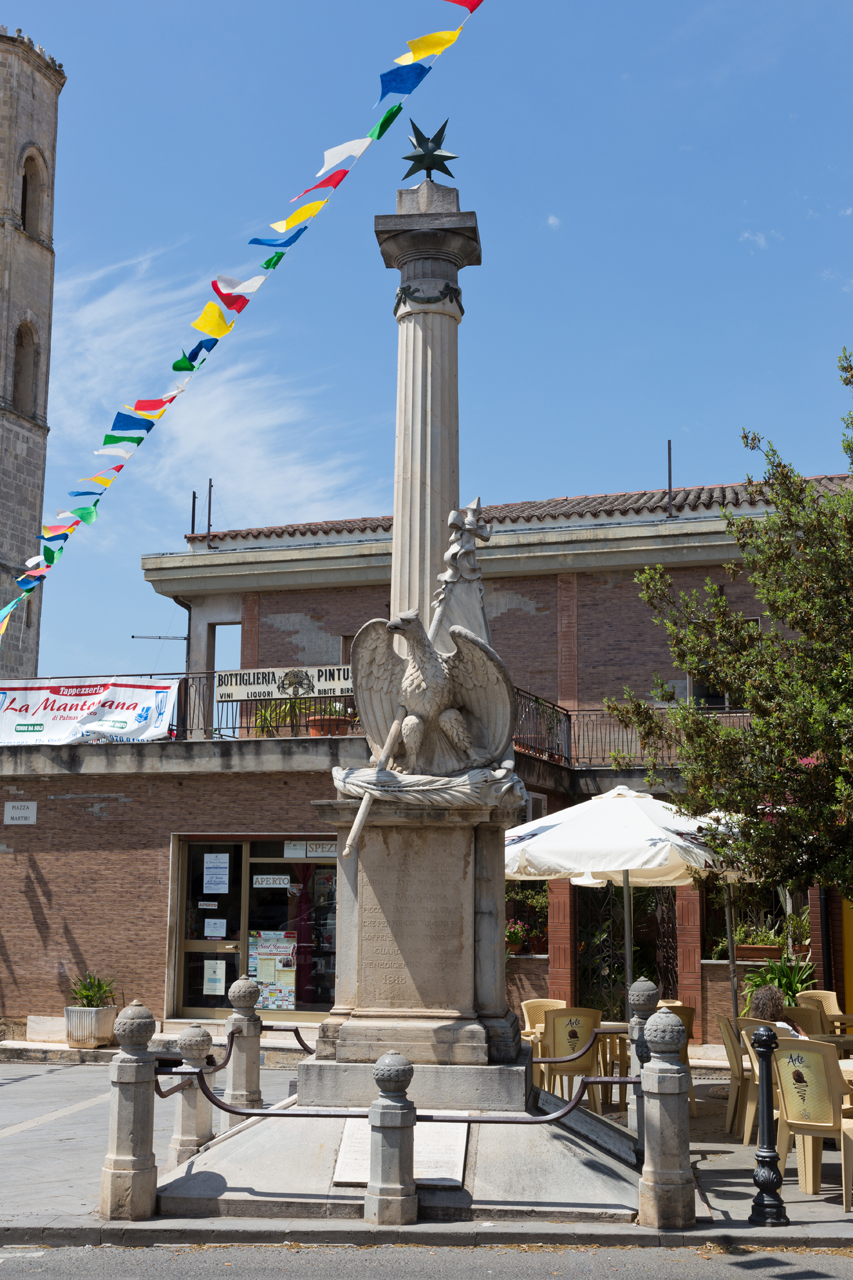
(544, 730)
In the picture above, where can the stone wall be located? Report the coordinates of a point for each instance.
(717, 996)
(87, 886)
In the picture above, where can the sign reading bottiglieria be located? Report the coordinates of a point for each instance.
(283, 682)
(118, 708)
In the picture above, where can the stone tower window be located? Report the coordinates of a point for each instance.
(23, 393)
(31, 198)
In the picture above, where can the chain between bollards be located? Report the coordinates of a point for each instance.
(768, 1208)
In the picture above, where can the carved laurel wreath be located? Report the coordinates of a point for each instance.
(408, 293)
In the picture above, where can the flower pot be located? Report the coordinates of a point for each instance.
(87, 1028)
(799, 949)
(747, 952)
(327, 726)
(514, 948)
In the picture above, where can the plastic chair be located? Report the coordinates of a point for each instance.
(534, 1015)
(811, 1092)
(747, 1026)
(741, 1080)
(808, 1020)
(834, 1018)
(566, 1031)
(615, 1052)
(686, 1013)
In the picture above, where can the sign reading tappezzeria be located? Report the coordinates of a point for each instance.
(283, 682)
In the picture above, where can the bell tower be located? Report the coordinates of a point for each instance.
(30, 84)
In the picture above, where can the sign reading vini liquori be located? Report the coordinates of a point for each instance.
(283, 682)
(120, 708)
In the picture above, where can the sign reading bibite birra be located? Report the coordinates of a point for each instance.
(119, 708)
(283, 682)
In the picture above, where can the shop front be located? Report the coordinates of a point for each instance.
(265, 907)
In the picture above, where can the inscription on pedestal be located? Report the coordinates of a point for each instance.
(416, 921)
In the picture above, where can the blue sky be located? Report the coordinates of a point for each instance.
(665, 202)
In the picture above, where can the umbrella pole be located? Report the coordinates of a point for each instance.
(629, 937)
(730, 935)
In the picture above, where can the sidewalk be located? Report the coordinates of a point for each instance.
(53, 1139)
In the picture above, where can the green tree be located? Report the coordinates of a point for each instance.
(788, 769)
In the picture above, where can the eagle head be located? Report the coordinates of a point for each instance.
(404, 622)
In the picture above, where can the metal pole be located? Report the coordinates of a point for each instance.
(209, 505)
(768, 1208)
(669, 477)
(629, 937)
(825, 939)
(192, 521)
(730, 935)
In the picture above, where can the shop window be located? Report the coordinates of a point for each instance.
(706, 695)
(23, 390)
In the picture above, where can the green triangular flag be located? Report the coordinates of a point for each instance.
(87, 514)
(272, 263)
(183, 365)
(385, 123)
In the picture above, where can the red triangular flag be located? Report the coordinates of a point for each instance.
(334, 180)
(233, 301)
(470, 5)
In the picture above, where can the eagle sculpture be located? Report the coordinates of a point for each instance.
(458, 708)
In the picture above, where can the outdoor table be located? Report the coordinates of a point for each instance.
(843, 1044)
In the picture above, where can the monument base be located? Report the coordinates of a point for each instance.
(436, 1086)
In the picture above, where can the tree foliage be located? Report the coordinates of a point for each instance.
(786, 769)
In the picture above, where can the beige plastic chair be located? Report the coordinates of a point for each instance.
(747, 1026)
(741, 1077)
(811, 1108)
(834, 1018)
(686, 1013)
(566, 1031)
(615, 1051)
(534, 1015)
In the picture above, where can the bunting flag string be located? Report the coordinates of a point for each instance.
(130, 429)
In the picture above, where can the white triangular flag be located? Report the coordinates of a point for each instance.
(334, 157)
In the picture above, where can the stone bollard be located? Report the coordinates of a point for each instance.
(666, 1190)
(193, 1111)
(243, 1073)
(129, 1175)
(391, 1198)
(642, 1002)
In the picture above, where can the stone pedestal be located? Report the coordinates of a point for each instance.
(243, 1073)
(193, 1111)
(666, 1189)
(391, 1198)
(429, 240)
(421, 945)
(129, 1175)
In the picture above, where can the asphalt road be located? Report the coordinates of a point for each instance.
(228, 1262)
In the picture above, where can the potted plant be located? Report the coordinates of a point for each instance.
(798, 932)
(757, 943)
(333, 722)
(790, 976)
(90, 1021)
(517, 934)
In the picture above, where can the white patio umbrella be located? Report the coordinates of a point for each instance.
(621, 836)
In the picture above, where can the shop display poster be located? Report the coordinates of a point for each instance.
(215, 873)
(214, 928)
(214, 978)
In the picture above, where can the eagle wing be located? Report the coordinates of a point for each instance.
(482, 686)
(377, 674)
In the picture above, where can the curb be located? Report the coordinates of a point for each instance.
(65, 1232)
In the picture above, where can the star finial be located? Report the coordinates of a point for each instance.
(428, 153)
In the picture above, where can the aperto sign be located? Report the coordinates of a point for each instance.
(283, 682)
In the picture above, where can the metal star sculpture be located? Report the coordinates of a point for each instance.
(428, 153)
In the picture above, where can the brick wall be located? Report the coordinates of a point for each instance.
(526, 979)
(522, 615)
(562, 941)
(717, 997)
(688, 912)
(87, 886)
(306, 626)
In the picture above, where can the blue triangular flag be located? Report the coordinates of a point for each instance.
(402, 79)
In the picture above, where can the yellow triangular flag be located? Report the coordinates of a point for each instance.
(426, 46)
(142, 414)
(212, 321)
(302, 215)
(98, 480)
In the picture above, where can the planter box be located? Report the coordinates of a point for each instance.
(88, 1028)
(746, 952)
(328, 726)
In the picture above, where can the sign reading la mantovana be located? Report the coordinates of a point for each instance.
(283, 682)
(117, 708)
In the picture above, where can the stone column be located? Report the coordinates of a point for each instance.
(193, 1111)
(490, 1002)
(391, 1198)
(129, 1175)
(642, 1000)
(666, 1188)
(346, 959)
(243, 1073)
(429, 240)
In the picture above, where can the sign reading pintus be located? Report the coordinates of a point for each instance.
(283, 682)
(120, 708)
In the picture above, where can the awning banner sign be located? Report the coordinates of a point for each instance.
(117, 708)
(283, 682)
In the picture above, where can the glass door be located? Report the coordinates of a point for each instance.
(212, 926)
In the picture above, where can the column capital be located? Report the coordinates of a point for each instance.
(450, 238)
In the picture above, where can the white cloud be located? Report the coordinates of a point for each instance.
(260, 435)
(845, 213)
(553, 221)
(757, 237)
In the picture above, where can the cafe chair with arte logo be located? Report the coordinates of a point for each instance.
(811, 1107)
(566, 1031)
(534, 1020)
